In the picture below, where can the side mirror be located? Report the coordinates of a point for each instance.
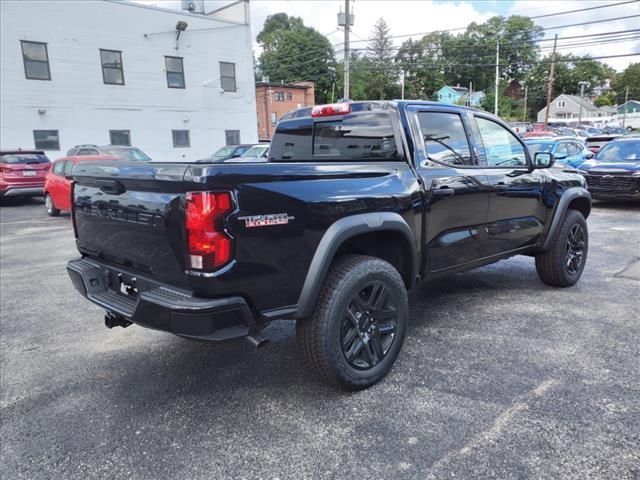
(589, 155)
(543, 160)
(235, 155)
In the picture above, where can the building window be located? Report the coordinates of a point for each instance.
(175, 72)
(562, 103)
(274, 118)
(228, 76)
(278, 96)
(112, 73)
(232, 137)
(181, 138)
(120, 137)
(289, 96)
(36, 60)
(46, 139)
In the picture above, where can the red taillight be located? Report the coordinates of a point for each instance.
(331, 109)
(209, 245)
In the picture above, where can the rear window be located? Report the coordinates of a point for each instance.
(23, 158)
(539, 147)
(361, 136)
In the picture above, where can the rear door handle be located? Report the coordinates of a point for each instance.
(444, 192)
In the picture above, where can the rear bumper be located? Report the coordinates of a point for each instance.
(10, 191)
(162, 307)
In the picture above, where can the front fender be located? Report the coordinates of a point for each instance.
(565, 200)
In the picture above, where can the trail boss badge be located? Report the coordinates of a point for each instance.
(266, 220)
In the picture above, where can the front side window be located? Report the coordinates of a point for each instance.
(228, 76)
(112, 72)
(68, 168)
(175, 72)
(36, 60)
(232, 137)
(46, 139)
(561, 151)
(120, 137)
(445, 138)
(573, 149)
(181, 138)
(501, 147)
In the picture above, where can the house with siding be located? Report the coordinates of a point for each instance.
(460, 96)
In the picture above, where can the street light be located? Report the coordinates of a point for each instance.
(582, 85)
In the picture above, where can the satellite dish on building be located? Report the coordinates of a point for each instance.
(193, 6)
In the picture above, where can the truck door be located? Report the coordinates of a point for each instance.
(457, 191)
(517, 207)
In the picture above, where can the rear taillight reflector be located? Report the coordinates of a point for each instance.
(209, 244)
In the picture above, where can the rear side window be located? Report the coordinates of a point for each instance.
(361, 136)
(58, 168)
(445, 138)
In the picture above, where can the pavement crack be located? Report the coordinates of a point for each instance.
(518, 404)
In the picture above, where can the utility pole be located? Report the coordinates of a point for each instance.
(346, 20)
(495, 100)
(524, 114)
(582, 85)
(624, 112)
(552, 69)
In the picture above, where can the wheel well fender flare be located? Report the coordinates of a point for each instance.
(569, 195)
(341, 231)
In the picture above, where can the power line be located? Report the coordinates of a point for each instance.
(582, 9)
(591, 22)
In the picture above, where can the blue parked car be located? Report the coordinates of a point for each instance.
(570, 152)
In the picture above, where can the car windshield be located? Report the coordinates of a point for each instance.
(224, 152)
(539, 147)
(132, 154)
(624, 151)
(23, 158)
(256, 151)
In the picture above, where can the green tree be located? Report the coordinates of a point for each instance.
(423, 63)
(630, 77)
(380, 55)
(292, 52)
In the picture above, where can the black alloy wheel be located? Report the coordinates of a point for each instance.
(369, 326)
(575, 249)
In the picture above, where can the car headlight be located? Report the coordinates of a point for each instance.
(636, 173)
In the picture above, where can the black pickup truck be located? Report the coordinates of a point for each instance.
(356, 203)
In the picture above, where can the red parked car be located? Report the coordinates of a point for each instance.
(22, 172)
(57, 187)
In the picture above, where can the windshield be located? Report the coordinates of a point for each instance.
(23, 158)
(625, 151)
(133, 154)
(256, 151)
(224, 152)
(539, 147)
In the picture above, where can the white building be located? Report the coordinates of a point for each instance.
(176, 84)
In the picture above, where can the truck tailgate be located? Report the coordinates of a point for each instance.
(128, 213)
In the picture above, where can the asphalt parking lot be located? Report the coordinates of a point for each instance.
(500, 377)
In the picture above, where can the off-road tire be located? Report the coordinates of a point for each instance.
(320, 336)
(552, 265)
(50, 207)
